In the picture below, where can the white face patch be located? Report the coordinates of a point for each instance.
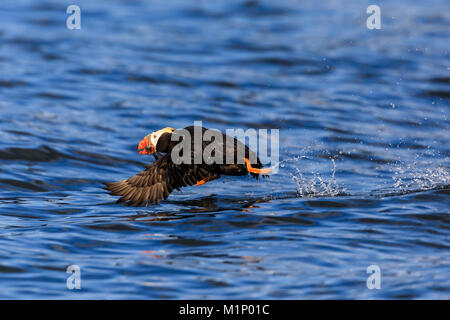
(154, 138)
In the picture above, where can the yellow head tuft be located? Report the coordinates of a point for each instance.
(166, 129)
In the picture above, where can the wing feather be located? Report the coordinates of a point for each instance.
(157, 181)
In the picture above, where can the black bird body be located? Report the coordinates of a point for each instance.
(162, 176)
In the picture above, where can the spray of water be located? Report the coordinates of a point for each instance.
(315, 184)
(419, 176)
(424, 171)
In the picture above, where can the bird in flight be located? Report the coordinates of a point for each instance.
(165, 174)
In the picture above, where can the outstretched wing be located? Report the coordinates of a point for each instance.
(157, 181)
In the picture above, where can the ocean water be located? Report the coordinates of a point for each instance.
(364, 173)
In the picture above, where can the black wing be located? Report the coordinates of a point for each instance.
(157, 181)
(228, 148)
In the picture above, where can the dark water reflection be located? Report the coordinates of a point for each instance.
(364, 156)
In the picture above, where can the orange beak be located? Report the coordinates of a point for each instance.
(145, 147)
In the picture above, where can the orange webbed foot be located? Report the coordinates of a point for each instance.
(255, 170)
(199, 183)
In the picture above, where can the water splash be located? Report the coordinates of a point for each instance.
(414, 177)
(316, 185)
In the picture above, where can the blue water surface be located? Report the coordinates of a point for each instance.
(364, 173)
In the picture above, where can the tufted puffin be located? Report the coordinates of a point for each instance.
(164, 175)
